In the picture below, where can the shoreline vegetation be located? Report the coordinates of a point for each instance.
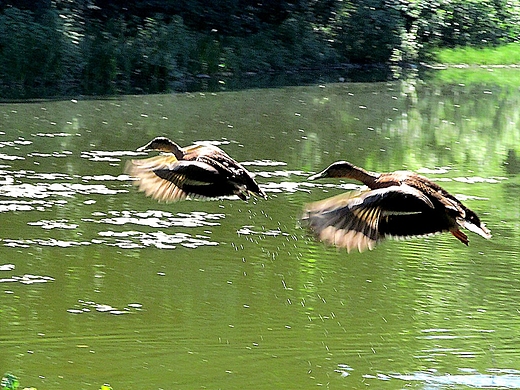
(108, 47)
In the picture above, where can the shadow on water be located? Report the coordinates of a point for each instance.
(354, 74)
(113, 287)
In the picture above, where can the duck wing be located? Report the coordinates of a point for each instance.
(186, 174)
(358, 220)
(234, 172)
(167, 179)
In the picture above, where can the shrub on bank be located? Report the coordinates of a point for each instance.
(112, 48)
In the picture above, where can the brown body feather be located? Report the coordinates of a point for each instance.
(398, 204)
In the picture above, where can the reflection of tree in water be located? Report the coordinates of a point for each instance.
(512, 163)
(393, 126)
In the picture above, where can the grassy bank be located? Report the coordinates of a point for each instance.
(508, 54)
(506, 77)
(497, 65)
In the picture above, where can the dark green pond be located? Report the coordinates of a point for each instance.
(99, 284)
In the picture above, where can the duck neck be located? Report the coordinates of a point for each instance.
(367, 178)
(176, 150)
(178, 153)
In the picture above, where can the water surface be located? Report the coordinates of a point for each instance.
(99, 284)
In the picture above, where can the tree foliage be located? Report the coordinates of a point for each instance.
(57, 47)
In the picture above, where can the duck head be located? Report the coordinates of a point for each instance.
(337, 169)
(472, 223)
(162, 144)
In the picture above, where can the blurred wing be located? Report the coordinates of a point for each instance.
(164, 178)
(188, 174)
(353, 220)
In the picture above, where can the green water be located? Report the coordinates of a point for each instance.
(99, 284)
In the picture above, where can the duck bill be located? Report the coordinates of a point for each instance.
(145, 148)
(316, 176)
(480, 230)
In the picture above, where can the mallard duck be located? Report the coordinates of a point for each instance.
(197, 171)
(398, 204)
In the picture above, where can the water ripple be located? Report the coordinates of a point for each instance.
(45, 190)
(128, 239)
(48, 176)
(90, 306)
(249, 230)
(494, 378)
(109, 156)
(264, 163)
(156, 218)
(39, 205)
(497, 378)
(279, 173)
(125, 240)
(52, 135)
(107, 178)
(26, 243)
(439, 334)
(54, 224)
(476, 179)
(9, 157)
(64, 153)
(27, 279)
(14, 143)
(29, 174)
(160, 240)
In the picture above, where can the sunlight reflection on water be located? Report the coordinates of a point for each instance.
(83, 307)
(156, 218)
(107, 156)
(27, 279)
(4, 156)
(54, 224)
(126, 240)
(45, 190)
(498, 378)
(23, 205)
(161, 240)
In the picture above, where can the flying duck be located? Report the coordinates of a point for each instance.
(197, 171)
(397, 204)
